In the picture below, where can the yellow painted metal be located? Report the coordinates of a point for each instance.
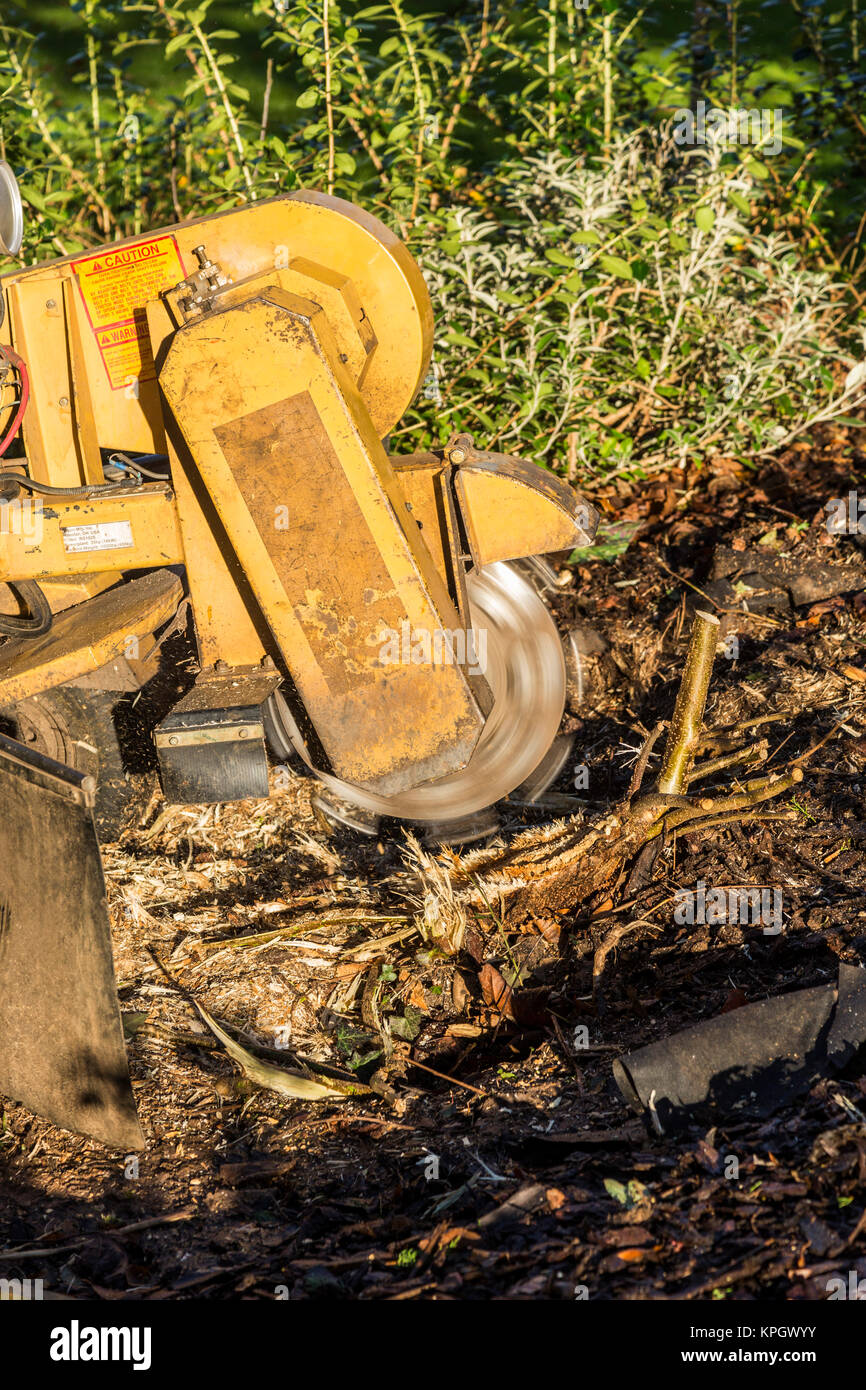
(114, 624)
(302, 234)
(61, 593)
(82, 378)
(347, 318)
(65, 593)
(228, 622)
(419, 477)
(314, 512)
(45, 547)
(38, 331)
(512, 508)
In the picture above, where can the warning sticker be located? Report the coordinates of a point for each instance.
(104, 535)
(115, 285)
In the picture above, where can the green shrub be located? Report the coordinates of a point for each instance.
(607, 301)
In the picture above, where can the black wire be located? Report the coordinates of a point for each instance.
(39, 617)
(23, 481)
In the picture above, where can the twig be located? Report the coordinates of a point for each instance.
(804, 757)
(184, 1214)
(685, 730)
(451, 1079)
(642, 760)
(611, 940)
(755, 793)
(715, 822)
(757, 753)
(266, 100)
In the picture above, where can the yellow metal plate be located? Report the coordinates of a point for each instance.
(116, 623)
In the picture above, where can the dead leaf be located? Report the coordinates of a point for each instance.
(280, 1079)
(494, 990)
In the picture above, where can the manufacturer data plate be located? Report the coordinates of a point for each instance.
(103, 535)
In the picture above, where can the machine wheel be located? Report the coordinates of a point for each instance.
(519, 748)
(77, 727)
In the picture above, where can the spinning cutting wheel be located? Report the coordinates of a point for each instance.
(525, 666)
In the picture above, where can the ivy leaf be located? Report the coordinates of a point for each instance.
(409, 1026)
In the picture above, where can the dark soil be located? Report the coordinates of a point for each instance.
(518, 1172)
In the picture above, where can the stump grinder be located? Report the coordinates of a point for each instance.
(194, 430)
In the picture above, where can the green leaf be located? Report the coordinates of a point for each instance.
(308, 98)
(399, 132)
(627, 1195)
(409, 1026)
(615, 265)
(757, 169)
(705, 219)
(34, 198)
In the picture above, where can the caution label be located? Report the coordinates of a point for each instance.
(103, 535)
(115, 286)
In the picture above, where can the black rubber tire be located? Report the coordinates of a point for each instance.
(39, 616)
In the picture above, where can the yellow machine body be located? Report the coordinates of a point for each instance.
(269, 382)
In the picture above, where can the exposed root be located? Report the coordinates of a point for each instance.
(556, 869)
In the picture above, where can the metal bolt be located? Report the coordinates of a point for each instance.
(173, 740)
(64, 401)
(51, 303)
(457, 455)
(242, 733)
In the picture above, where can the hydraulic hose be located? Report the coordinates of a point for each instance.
(89, 489)
(20, 367)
